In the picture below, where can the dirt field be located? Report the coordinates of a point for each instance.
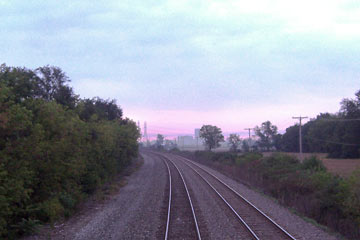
(342, 167)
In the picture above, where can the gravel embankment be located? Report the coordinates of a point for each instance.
(295, 225)
(132, 213)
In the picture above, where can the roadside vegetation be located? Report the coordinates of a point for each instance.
(55, 148)
(303, 186)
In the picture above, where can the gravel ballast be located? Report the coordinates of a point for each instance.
(138, 210)
(134, 213)
(219, 221)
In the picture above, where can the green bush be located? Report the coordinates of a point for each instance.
(54, 147)
(247, 158)
(50, 210)
(67, 201)
(313, 164)
(27, 226)
(353, 202)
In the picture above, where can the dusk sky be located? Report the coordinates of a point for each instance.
(181, 64)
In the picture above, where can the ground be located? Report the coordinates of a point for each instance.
(341, 167)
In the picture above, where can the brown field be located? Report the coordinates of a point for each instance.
(341, 167)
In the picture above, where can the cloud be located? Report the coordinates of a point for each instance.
(198, 56)
(89, 88)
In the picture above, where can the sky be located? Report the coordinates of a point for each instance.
(181, 64)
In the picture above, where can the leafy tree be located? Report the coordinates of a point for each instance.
(350, 133)
(320, 133)
(212, 136)
(337, 134)
(52, 86)
(159, 141)
(22, 82)
(48, 83)
(54, 149)
(99, 109)
(234, 141)
(169, 145)
(266, 132)
(278, 142)
(245, 146)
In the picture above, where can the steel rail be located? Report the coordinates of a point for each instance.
(253, 234)
(188, 195)
(238, 194)
(190, 201)
(169, 206)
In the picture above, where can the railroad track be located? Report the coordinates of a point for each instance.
(181, 220)
(257, 224)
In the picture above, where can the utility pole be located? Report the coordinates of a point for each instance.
(300, 137)
(249, 129)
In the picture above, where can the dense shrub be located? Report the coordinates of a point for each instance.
(55, 149)
(313, 164)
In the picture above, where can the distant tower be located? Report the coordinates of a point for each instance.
(145, 133)
(138, 125)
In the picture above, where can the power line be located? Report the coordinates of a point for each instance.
(339, 120)
(249, 129)
(333, 142)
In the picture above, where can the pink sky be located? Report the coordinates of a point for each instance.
(172, 123)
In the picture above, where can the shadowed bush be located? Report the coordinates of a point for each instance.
(55, 148)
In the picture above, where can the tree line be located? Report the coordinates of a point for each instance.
(55, 148)
(337, 134)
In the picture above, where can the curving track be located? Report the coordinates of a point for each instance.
(257, 224)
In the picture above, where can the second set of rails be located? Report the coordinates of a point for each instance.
(182, 221)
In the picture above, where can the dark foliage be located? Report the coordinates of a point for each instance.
(54, 148)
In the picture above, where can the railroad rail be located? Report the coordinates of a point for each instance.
(256, 222)
(174, 201)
